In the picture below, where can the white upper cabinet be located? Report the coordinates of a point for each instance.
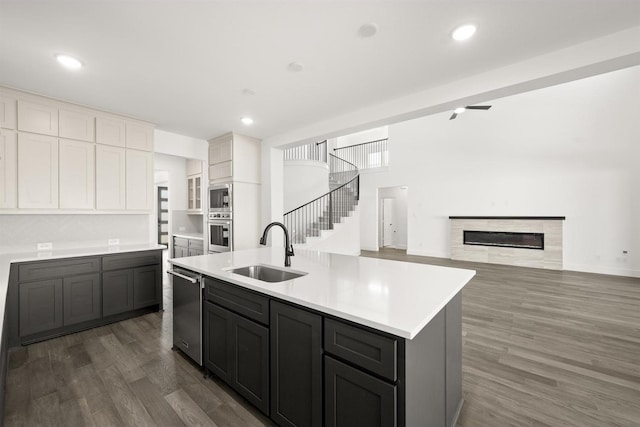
(78, 125)
(139, 136)
(221, 150)
(77, 174)
(194, 167)
(110, 177)
(37, 171)
(139, 180)
(8, 112)
(234, 157)
(8, 169)
(110, 131)
(39, 118)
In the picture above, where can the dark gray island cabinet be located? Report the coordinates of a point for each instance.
(60, 296)
(302, 367)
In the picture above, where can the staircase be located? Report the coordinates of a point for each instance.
(324, 212)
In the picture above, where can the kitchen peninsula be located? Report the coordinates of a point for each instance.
(352, 341)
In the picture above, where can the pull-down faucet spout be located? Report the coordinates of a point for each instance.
(288, 248)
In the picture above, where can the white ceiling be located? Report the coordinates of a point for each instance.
(184, 64)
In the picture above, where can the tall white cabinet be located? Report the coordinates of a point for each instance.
(63, 157)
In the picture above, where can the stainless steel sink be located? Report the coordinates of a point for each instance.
(266, 273)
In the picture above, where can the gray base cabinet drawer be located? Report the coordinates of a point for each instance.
(129, 260)
(58, 268)
(246, 303)
(353, 398)
(181, 241)
(371, 351)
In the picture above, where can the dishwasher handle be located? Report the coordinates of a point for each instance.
(182, 276)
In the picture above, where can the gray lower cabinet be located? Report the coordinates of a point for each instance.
(183, 247)
(81, 298)
(354, 398)
(147, 286)
(117, 291)
(237, 350)
(296, 366)
(40, 306)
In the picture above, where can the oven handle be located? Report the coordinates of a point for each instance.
(182, 276)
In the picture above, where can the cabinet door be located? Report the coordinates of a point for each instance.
(296, 366)
(78, 125)
(147, 286)
(77, 174)
(81, 296)
(251, 376)
(139, 187)
(221, 151)
(354, 398)
(198, 192)
(7, 112)
(191, 193)
(221, 171)
(40, 306)
(139, 137)
(110, 131)
(37, 171)
(117, 291)
(8, 169)
(110, 177)
(37, 118)
(218, 341)
(195, 252)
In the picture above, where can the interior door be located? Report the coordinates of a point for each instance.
(388, 228)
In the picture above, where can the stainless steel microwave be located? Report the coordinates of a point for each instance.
(220, 198)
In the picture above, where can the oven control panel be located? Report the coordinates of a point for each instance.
(219, 215)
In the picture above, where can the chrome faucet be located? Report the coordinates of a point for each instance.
(288, 248)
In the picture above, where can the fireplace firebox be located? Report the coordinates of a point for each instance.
(504, 239)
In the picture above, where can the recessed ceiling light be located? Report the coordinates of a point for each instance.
(463, 32)
(247, 121)
(368, 30)
(459, 110)
(295, 67)
(69, 61)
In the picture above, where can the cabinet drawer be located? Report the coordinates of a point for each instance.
(132, 259)
(196, 244)
(371, 351)
(241, 301)
(181, 241)
(57, 268)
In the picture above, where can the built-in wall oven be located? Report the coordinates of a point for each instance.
(220, 232)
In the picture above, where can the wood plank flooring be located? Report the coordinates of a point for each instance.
(540, 348)
(546, 348)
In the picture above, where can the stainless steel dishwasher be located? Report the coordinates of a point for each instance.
(187, 313)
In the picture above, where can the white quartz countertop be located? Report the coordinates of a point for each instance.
(197, 236)
(391, 296)
(7, 258)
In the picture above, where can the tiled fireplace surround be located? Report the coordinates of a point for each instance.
(550, 257)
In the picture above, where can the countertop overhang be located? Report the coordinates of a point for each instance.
(396, 297)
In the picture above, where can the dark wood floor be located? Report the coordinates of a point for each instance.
(539, 348)
(547, 348)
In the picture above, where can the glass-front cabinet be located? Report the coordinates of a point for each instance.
(195, 194)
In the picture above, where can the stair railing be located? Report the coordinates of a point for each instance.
(324, 211)
(372, 154)
(313, 151)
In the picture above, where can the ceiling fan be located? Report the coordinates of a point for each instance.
(461, 110)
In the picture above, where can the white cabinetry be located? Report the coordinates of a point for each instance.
(194, 187)
(78, 125)
(110, 177)
(38, 117)
(139, 188)
(77, 174)
(7, 112)
(234, 157)
(8, 169)
(139, 137)
(110, 131)
(37, 171)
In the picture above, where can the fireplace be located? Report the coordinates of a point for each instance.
(504, 239)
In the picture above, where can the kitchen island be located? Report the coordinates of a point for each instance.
(352, 341)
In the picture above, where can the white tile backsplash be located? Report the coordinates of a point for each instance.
(66, 231)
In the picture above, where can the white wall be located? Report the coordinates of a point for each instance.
(304, 180)
(569, 150)
(180, 145)
(374, 134)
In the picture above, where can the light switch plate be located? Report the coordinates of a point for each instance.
(114, 242)
(45, 246)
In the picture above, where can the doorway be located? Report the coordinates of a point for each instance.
(392, 217)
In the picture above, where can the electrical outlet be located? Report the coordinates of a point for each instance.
(45, 246)
(625, 252)
(114, 242)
